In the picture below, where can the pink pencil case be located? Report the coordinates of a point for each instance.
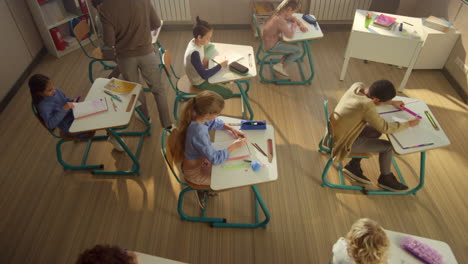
(421, 251)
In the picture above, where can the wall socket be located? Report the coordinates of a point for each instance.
(461, 65)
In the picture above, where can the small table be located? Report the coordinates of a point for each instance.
(112, 119)
(397, 255)
(225, 75)
(313, 32)
(440, 139)
(383, 45)
(223, 177)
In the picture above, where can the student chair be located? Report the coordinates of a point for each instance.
(81, 31)
(187, 187)
(182, 87)
(263, 58)
(326, 146)
(68, 138)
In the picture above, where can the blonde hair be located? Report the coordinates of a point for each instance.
(367, 242)
(206, 102)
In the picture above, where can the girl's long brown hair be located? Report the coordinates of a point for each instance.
(206, 102)
(293, 4)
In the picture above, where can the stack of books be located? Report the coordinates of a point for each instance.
(384, 21)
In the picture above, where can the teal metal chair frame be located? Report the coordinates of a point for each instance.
(215, 222)
(326, 145)
(265, 59)
(81, 30)
(133, 156)
(58, 147)
(183, 96)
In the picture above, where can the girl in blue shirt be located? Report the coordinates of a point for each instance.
(55, 109)
(192, 145)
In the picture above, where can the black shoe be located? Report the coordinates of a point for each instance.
(201, 197)
(389, 182)
(354, 171)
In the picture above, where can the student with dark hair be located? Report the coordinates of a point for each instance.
(127, 26)
(358, 126)
(104, 254)
(195, 63)
(55, 109)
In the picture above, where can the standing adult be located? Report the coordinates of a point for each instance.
(127, 26)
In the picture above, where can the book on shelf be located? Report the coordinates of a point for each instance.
(89, 108)
(384, 21)
(120, 86)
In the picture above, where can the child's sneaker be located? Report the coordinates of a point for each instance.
(389, 182)
(201, 198)
(279, 68)
(354, 171)
(115, 143)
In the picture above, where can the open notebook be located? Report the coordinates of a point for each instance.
(120, 86)
(418, 136)
(88, 108)
(239, 153)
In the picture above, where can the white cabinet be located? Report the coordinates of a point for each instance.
(52, 15)
(436, 48)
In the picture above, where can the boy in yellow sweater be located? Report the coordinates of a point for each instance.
(358, 127)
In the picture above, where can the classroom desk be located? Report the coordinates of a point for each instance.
(111, 120)
(223, 178)
(440, 139)
(397, 255)
(225, 75)
(304, 38)
(382, 45)
(149, 259)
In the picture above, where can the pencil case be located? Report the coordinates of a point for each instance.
(421, 251)
(253, 125)
(238, 68)
(309, 19)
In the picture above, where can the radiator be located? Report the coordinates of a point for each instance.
(337, 9)
(173, 10)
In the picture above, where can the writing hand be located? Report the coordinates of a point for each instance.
(224, 64)
(398, 104)
(68, 106)
(237, 144)
(238, 133)
(414, 122)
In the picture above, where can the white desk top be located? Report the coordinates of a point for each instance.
(310, 34)
(148, 259)
(155, 33)
(397, 255)
(225, 75)
(409, 32)
(237, 177)
(110, 118)
(419, 107)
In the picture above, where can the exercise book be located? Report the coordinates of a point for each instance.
(89, 108)
(239, 153)
(119, 86)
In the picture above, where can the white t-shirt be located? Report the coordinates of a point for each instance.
(340, 252)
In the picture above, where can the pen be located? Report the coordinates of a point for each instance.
(418, 146)
(408, 23)
(250, 60)
(78, 99)
(113, 96)
(433, 123)
(411, 112)
(113, 103)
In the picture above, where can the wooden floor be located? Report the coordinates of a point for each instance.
(48, 215)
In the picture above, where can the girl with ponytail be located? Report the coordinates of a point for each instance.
(195, 63)
(278, 24)
(192, 145)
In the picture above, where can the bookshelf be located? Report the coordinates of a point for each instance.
(263, 10)
(55, 15)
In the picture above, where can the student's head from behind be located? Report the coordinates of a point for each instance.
(40, 86)
(381, 91)
(104, 254)
(367, 242)
(202, 32)
(207, 105)
(97, 3)
(288, 7)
